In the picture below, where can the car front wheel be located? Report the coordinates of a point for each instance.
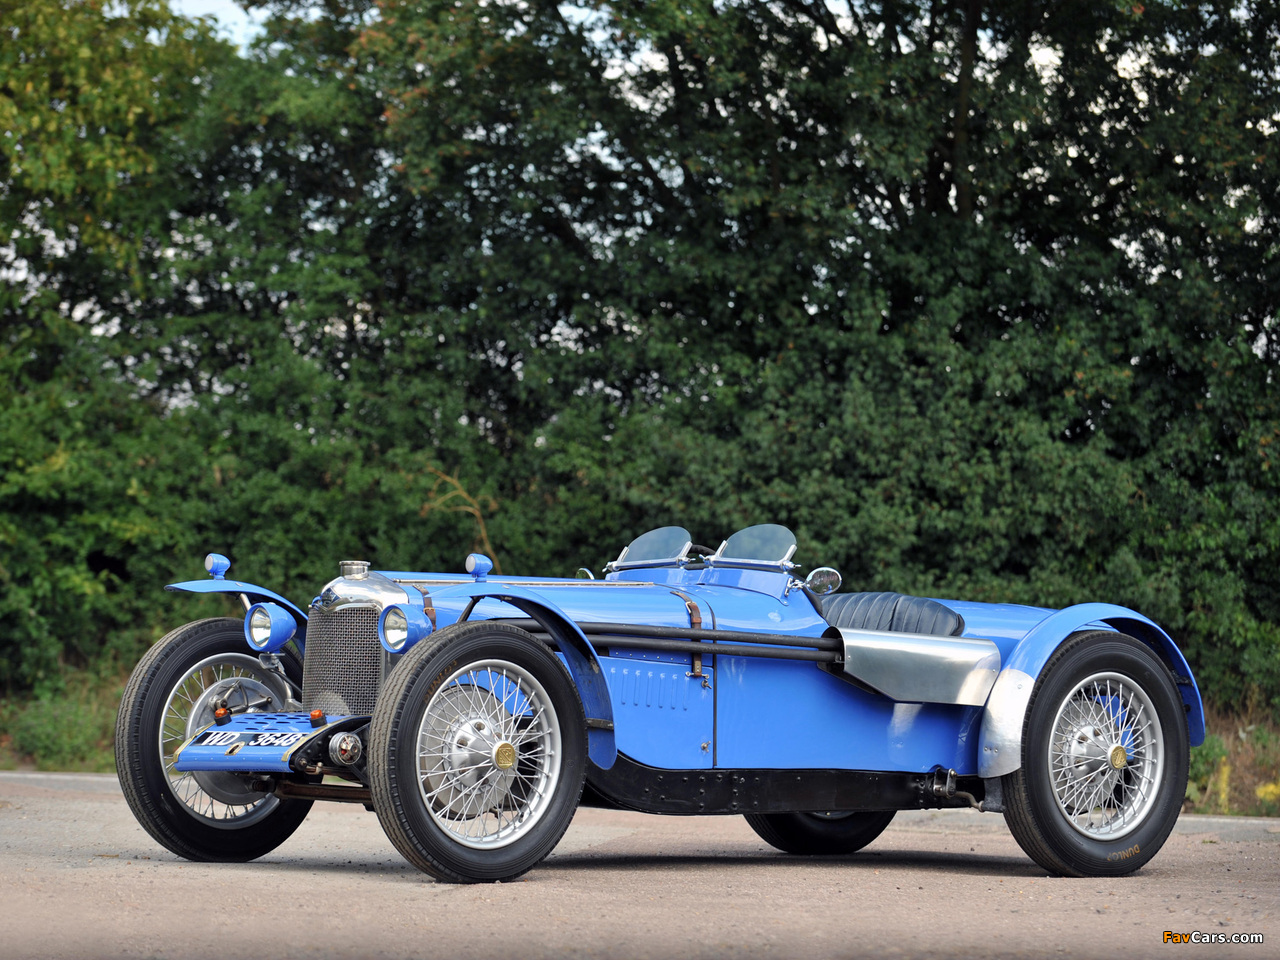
(210, 816)
(477, 753)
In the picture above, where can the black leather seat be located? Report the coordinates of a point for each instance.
(892, 612)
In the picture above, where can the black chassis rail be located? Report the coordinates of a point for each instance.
(630, 785)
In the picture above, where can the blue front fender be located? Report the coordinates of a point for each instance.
(1000, 738)
(583, 661)
(255, 593)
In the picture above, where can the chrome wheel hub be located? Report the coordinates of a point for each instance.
(471, 754)
(1105, 753)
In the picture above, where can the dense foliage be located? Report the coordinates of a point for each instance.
(979, 297)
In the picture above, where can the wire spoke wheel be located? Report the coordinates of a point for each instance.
(477, 753)
(219, 799)
(170, 698)
(1105, 754)
(1104, 759)
(489, 753)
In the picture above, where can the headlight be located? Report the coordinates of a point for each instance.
(400, 627)
(259, 628)
(395, 628)
(268, 627)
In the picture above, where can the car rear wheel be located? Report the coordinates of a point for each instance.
(1104, 759)
(828, 833)
(477, 753)
(200, 816)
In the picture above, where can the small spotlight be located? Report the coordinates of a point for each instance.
(346, 749)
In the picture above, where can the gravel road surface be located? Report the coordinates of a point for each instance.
(80, 878)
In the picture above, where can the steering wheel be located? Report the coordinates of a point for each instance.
(700, 550)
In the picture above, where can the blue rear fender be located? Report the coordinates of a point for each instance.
(1000, 737)
(579, 654)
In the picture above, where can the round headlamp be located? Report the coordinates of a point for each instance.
(268, 627)
(401, 626)
(395, 628)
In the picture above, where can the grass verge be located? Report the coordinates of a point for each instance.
(71, 731)
(1237, 770)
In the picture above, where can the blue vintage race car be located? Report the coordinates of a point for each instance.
(474, 713)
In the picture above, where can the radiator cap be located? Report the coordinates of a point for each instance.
(354, 569)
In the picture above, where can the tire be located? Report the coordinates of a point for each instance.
(477, 753)
(1104, 719)
(199, 816)
(822, 834)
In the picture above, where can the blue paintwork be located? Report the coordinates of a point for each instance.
(783, 714)
(746, 712)
(763, 703)
(478, 565)
(583, 661)
(742, 608)
(1035, 649)
(288, 732)
(663, 716)
(255, 593)
(582, 600)
(217, 565)
(283, 627)
(1003, 623)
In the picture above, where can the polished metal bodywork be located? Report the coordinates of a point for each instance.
(921, 669)
(363, 589)
(1000, 742)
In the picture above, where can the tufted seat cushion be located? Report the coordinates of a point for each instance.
(892, 612)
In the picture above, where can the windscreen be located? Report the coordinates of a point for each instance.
(664, 543)
(770, 542)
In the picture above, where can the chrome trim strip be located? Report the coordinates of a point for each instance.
(915, 668)
(1000, 738)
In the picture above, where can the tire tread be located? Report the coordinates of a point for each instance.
(1019, 811)
(384, 753)
(131, 758)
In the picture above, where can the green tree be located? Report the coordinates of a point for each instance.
(978, 296)
(90, 94)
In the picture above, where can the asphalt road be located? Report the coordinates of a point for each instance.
(79, 878)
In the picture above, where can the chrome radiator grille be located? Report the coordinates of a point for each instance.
(344, 663)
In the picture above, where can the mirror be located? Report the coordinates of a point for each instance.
(822, 581)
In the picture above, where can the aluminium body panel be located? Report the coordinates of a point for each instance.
(918, 668)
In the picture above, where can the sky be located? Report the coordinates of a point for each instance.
(233, 22)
